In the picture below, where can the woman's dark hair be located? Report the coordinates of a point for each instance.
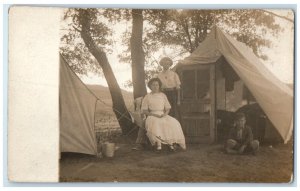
(154, 80)
(239, 115)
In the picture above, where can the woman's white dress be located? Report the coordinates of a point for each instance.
(165, 130)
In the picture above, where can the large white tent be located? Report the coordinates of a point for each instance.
(77, 112)
(274, 97)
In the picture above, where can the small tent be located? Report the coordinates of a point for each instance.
(274, 97)
(77, 106)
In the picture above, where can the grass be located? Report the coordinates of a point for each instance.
(201, 163)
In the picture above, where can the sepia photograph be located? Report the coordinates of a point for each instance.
(151, 94)
(176, 95)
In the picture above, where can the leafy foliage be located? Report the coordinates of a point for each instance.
(255, 28)
(183, 30)
(179, 31)
(188, 28)
(72, 46)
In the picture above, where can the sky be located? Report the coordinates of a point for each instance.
(280, 56)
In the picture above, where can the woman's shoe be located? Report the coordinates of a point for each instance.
(158, 146)
(172, 148)
(158, 150)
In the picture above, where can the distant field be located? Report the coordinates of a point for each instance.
(105, 119)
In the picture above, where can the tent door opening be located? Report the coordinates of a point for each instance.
(197, 109)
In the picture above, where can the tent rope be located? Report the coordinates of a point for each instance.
(135, 127)
(98, 99)
(103, 102)
(114, 109)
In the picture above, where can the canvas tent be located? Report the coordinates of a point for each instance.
(77, 113)
(274, 97)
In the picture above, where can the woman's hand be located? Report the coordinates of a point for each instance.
(158, 116)
(155, 115)
(163, 115)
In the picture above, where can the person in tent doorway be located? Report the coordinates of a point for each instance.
(170, 84)
(161, 128)
(240, 139)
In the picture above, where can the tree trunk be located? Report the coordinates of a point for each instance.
(137, 54)
(119, 106)
(186, 30)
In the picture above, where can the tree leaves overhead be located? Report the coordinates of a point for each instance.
(72, 45)
(255, 28)
(188, 28)
(183, 30)
(179, 30)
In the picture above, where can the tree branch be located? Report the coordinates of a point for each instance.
(76, 29)
(276, 15)
(186, 29)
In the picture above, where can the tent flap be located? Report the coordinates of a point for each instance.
(77, 108)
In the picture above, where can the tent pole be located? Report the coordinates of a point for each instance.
(225, 100)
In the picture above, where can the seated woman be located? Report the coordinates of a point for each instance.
(161, 128)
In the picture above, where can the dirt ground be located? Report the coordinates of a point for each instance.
(199, 163)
